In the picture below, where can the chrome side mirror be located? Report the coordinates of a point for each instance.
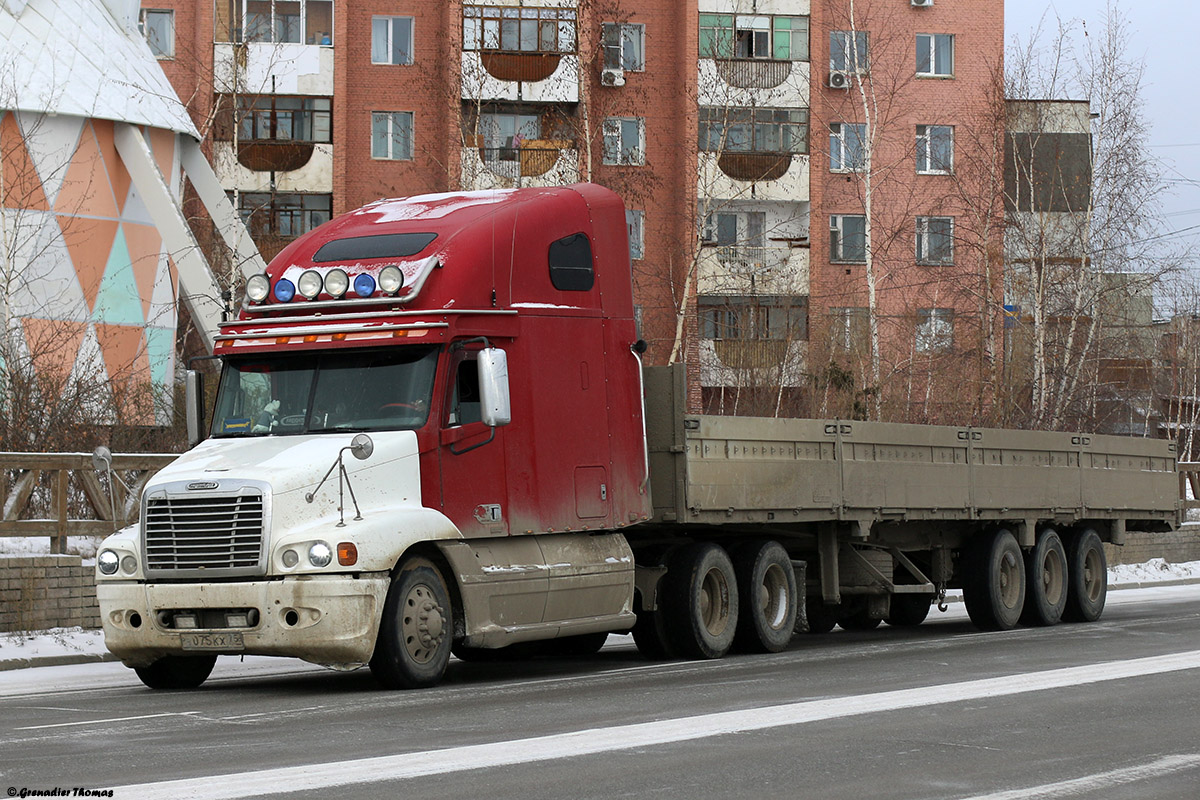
(495, 402)
(361, 447)
(194, 403)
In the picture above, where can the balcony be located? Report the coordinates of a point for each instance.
(753, 363)
(243, 169)
(753, 73)
(526, 77)
(746, 82)
(775, 176)
(777, 268)
(272, 68)
(537, 162)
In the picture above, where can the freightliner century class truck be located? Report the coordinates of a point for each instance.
(433, 434)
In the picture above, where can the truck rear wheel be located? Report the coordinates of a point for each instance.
(767, 598)
(819, 617)
(1087, 578)
(994, 587)
(701, 601)
(413, 647)
(177, 672)
(908, 610)
(1046, 581)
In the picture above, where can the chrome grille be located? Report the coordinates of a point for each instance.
(208, 533)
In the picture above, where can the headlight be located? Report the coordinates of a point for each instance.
(108, 561)
(336, 282)
(364, 285)
(285, 290)
(319, 555)
(290, 558)
(309, 284)
(258, 287)
(391, 279)
(129, 565)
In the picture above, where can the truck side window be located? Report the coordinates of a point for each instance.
(464, 400)
(571, 263)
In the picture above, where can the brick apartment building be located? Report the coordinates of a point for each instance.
(736, 131)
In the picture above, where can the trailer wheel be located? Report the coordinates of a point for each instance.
(1087, 578)
(908, 610)
(413, 647)
(1046, 581)
(994, 588)
(766, 598)
(819, 617)
(700, 601)
(859, 620)
(177, 672)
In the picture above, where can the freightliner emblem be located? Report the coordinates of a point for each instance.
(202, 485)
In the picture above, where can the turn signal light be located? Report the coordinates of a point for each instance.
(347, 554)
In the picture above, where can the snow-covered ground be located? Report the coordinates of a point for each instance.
(69, 642)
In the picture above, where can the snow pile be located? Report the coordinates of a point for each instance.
(53, 643)
(1153, 571)
(82, 546)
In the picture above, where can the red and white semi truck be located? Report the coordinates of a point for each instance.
(433, 433)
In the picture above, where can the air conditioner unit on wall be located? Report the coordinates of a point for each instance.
(839, 80)
(922, 3)
(612, 77)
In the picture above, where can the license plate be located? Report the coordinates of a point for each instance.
(212, 641)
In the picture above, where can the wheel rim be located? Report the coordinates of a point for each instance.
(1054, 574)
(714, 602)
(424, 625)
(1092, 570)
(1010, 580)
(772, 597)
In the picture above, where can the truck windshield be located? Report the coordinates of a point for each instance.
(327, 391)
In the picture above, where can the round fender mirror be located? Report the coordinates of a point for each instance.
(362, 447)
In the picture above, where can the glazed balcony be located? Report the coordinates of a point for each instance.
(528, 77)
(275, 68)
(775, 176)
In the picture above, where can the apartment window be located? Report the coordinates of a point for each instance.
(624, 141)
(935, 240)
(848, 238)
(935, 54)
(761, 130)
(935, 149)
(392, 135)
(519, 29)
(848, 51)
(281, 21)
(634, 220)
(847, 146)
(760, 36)
(265, 117)
(158, 26)
(848, 329)
(736, 228)
(284, 214)
(624, 46)
(747, 317)
(504, 133)
(391, 40)
(935, 329)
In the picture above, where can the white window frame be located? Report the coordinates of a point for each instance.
(841, 42)
(635, 222)
(924, 237)
(388, 45)
(935, 330)
(168, 48)
(936, 68)
(837, 247)
(390, 138)
(925, 150)
(618, 152)
(624, 46)
(838, 145)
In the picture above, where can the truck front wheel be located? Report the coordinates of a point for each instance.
(994, 587)
(415, 633)
(177, 672)
(1087, 578)
(701, 601)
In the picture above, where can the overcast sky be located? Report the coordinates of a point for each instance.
(1165, 37)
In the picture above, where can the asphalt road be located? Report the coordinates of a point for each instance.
(1107, 710)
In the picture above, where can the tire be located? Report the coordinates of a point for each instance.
(859, 621)
(177, 672)
(820, 617)
(1046, 585)
(994, 587)
(909, 610)
(415, 633)
(1087, 578)
(700, 601)
(650, 636)
(766, 598)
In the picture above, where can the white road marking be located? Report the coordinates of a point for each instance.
(306, 777)
(1101, 780)
(106, 721)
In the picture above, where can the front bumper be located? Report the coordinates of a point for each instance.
(326, 619)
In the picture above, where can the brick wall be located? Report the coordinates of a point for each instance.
(1176, 547)
(39, 592)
